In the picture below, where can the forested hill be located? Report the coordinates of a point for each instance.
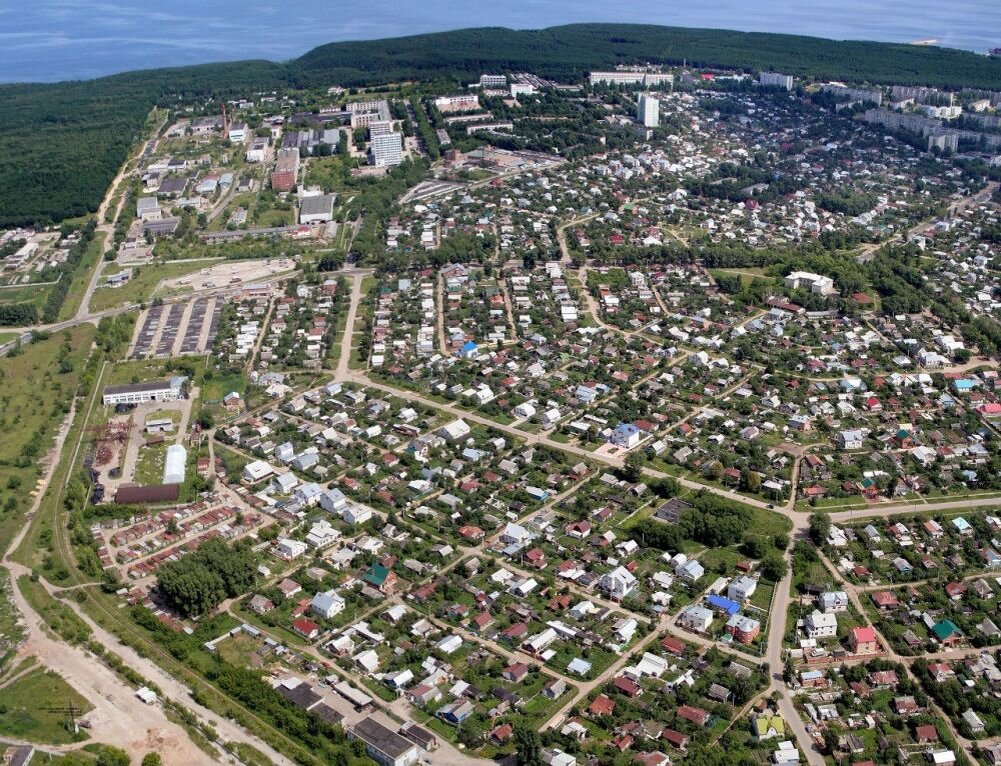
(573, 49)
(63, 142)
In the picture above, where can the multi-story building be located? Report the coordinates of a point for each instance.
(631, 77)
(386, 149)
(286, 170)
(493, 81)
(815, 283)
(140, 393)
(364, 113)
(648, 111)
(464, 102)
(615, 78)
(775, 80)
(945, 142)
(380, 128)
(854, 94)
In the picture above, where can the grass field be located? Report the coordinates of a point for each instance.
(26, 294)
(81, 277)
(26, 704)
(239, 650)
(141, 286)
(149, 464)
(28, 420)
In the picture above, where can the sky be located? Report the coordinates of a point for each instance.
(46, 40)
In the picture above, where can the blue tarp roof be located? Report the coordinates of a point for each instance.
(723, 604)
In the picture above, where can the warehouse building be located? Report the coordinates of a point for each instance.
(317, 209)
(139, 393)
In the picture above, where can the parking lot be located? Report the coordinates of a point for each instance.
(177, 329)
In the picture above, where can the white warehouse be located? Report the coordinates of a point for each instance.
(174, 465)
(139, 393)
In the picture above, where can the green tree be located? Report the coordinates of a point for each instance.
(152, 759)
(820, 527)
(751, 480)
(528, 746)
(773, 566)
(632, 470)
(112, 756)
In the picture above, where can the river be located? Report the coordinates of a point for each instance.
(47, 40)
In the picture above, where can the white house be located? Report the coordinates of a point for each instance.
(257, 470)
(618, 583)
(457, 429)
(449, 644)
(820, 625)
(327, 604)
(308, 494)
(322, 534)
(741, 589)
(333, 501)
(284, 483)
(288, 549)
(833, 601)
(357, 514)
(696, 618)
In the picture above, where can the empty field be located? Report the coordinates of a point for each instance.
(33, 709)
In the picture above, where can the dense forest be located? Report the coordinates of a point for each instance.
(63, 142)
(569, 51)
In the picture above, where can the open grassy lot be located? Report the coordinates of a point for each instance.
(149, 464)
(36, 294)
(214, 388)
(26, 708)
(81, 277)
(142, 285)
(29, 420)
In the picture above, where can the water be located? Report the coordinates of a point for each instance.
(48, 40)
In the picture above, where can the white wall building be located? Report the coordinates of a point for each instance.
(387, 149)
(648, 111)
(775, 80)
(140, 393)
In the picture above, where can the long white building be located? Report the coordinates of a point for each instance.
(775, 80)
(140, 393)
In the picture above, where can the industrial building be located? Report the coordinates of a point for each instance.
(286, 170)
(317, 209)
(140, 393)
